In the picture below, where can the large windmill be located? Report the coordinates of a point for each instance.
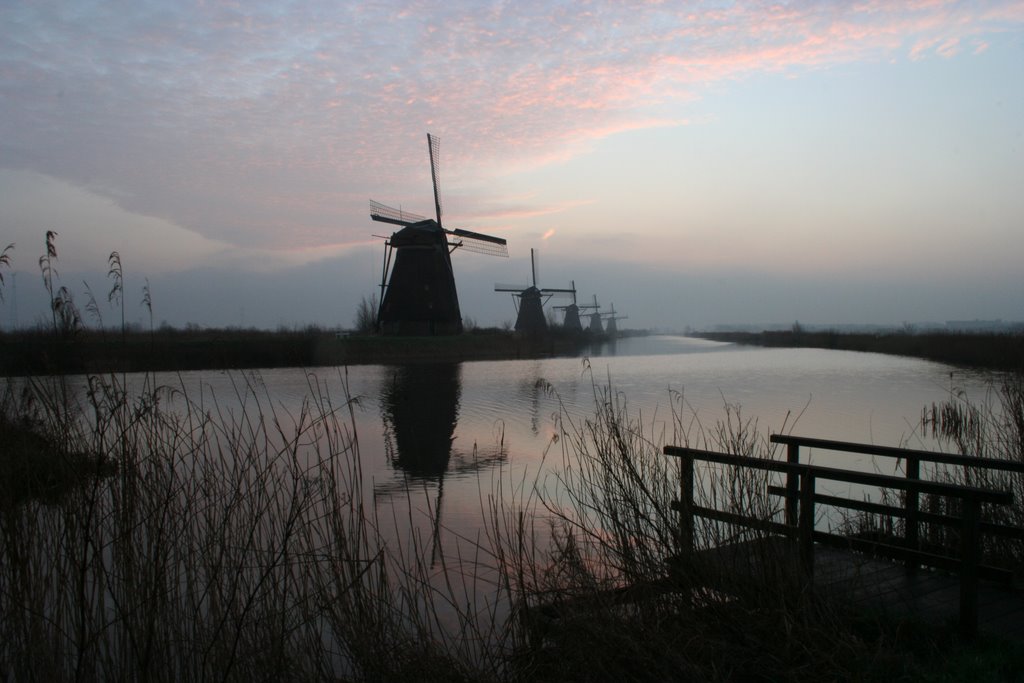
(420, 297)
(532, 298)
(610, 317)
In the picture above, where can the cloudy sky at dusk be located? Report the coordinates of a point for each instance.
(694, 163)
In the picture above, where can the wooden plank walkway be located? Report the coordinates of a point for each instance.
(873, 584)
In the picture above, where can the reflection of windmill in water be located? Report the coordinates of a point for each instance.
(530, 318)
(609, 318)
(419, 409)
(420, 295)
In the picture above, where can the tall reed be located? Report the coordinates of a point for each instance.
(231, 543)
(991, 427)
(603, 589)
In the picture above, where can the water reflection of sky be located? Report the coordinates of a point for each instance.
(437, 439)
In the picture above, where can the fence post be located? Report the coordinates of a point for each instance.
(806, 532)
(792, 483)
(912, 500)
(686, 504)
(970, 554)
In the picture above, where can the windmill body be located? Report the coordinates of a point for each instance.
(572, 318)
(571, 321)
(610, 326)
(531, 312)
(419, 297)
(595, 326)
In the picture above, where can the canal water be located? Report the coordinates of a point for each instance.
(435, 438)
(441, 446)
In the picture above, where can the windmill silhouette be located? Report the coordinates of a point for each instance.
(571, 321)
(610, 317)
(595, 316)
(530, 318)
(420, 297)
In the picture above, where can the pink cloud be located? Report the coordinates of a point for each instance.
(948, 48)
(235, 118)
(918, 50)
(516, 208)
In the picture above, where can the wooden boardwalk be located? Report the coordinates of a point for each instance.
(875, 584)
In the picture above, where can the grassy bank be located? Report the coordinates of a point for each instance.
(973, 350)
(244, 544)
(39, 352)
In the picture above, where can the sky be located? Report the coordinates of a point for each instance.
(692, 164)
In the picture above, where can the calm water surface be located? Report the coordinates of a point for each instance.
(453, 429)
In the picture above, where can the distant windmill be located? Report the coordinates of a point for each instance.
(595, 317)
(420, 296)
(610, 317)
(531, 318)
(572, 313)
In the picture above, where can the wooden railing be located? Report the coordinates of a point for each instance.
(801, 498)
(911, 512)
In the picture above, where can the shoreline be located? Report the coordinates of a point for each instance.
(987, 351)
(41, 353)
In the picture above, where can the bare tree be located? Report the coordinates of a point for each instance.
(366, 316)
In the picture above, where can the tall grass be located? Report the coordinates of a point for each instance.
(230, 543)
(992, 427)
(614, 595)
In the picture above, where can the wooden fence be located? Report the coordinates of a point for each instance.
(801, 498)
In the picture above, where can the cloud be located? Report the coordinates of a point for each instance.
(256, 127)
(506, 209)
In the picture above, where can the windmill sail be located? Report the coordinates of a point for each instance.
(478, 242)
(434, 148)
(387, 214)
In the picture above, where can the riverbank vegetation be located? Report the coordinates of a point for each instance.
(197, 540)
(39, 352)
(994, 351)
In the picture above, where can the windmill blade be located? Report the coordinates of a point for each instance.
(388, 214)
(511, 288)
(479, 243)
(434, 149)
(458, 232)
(557, 292)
